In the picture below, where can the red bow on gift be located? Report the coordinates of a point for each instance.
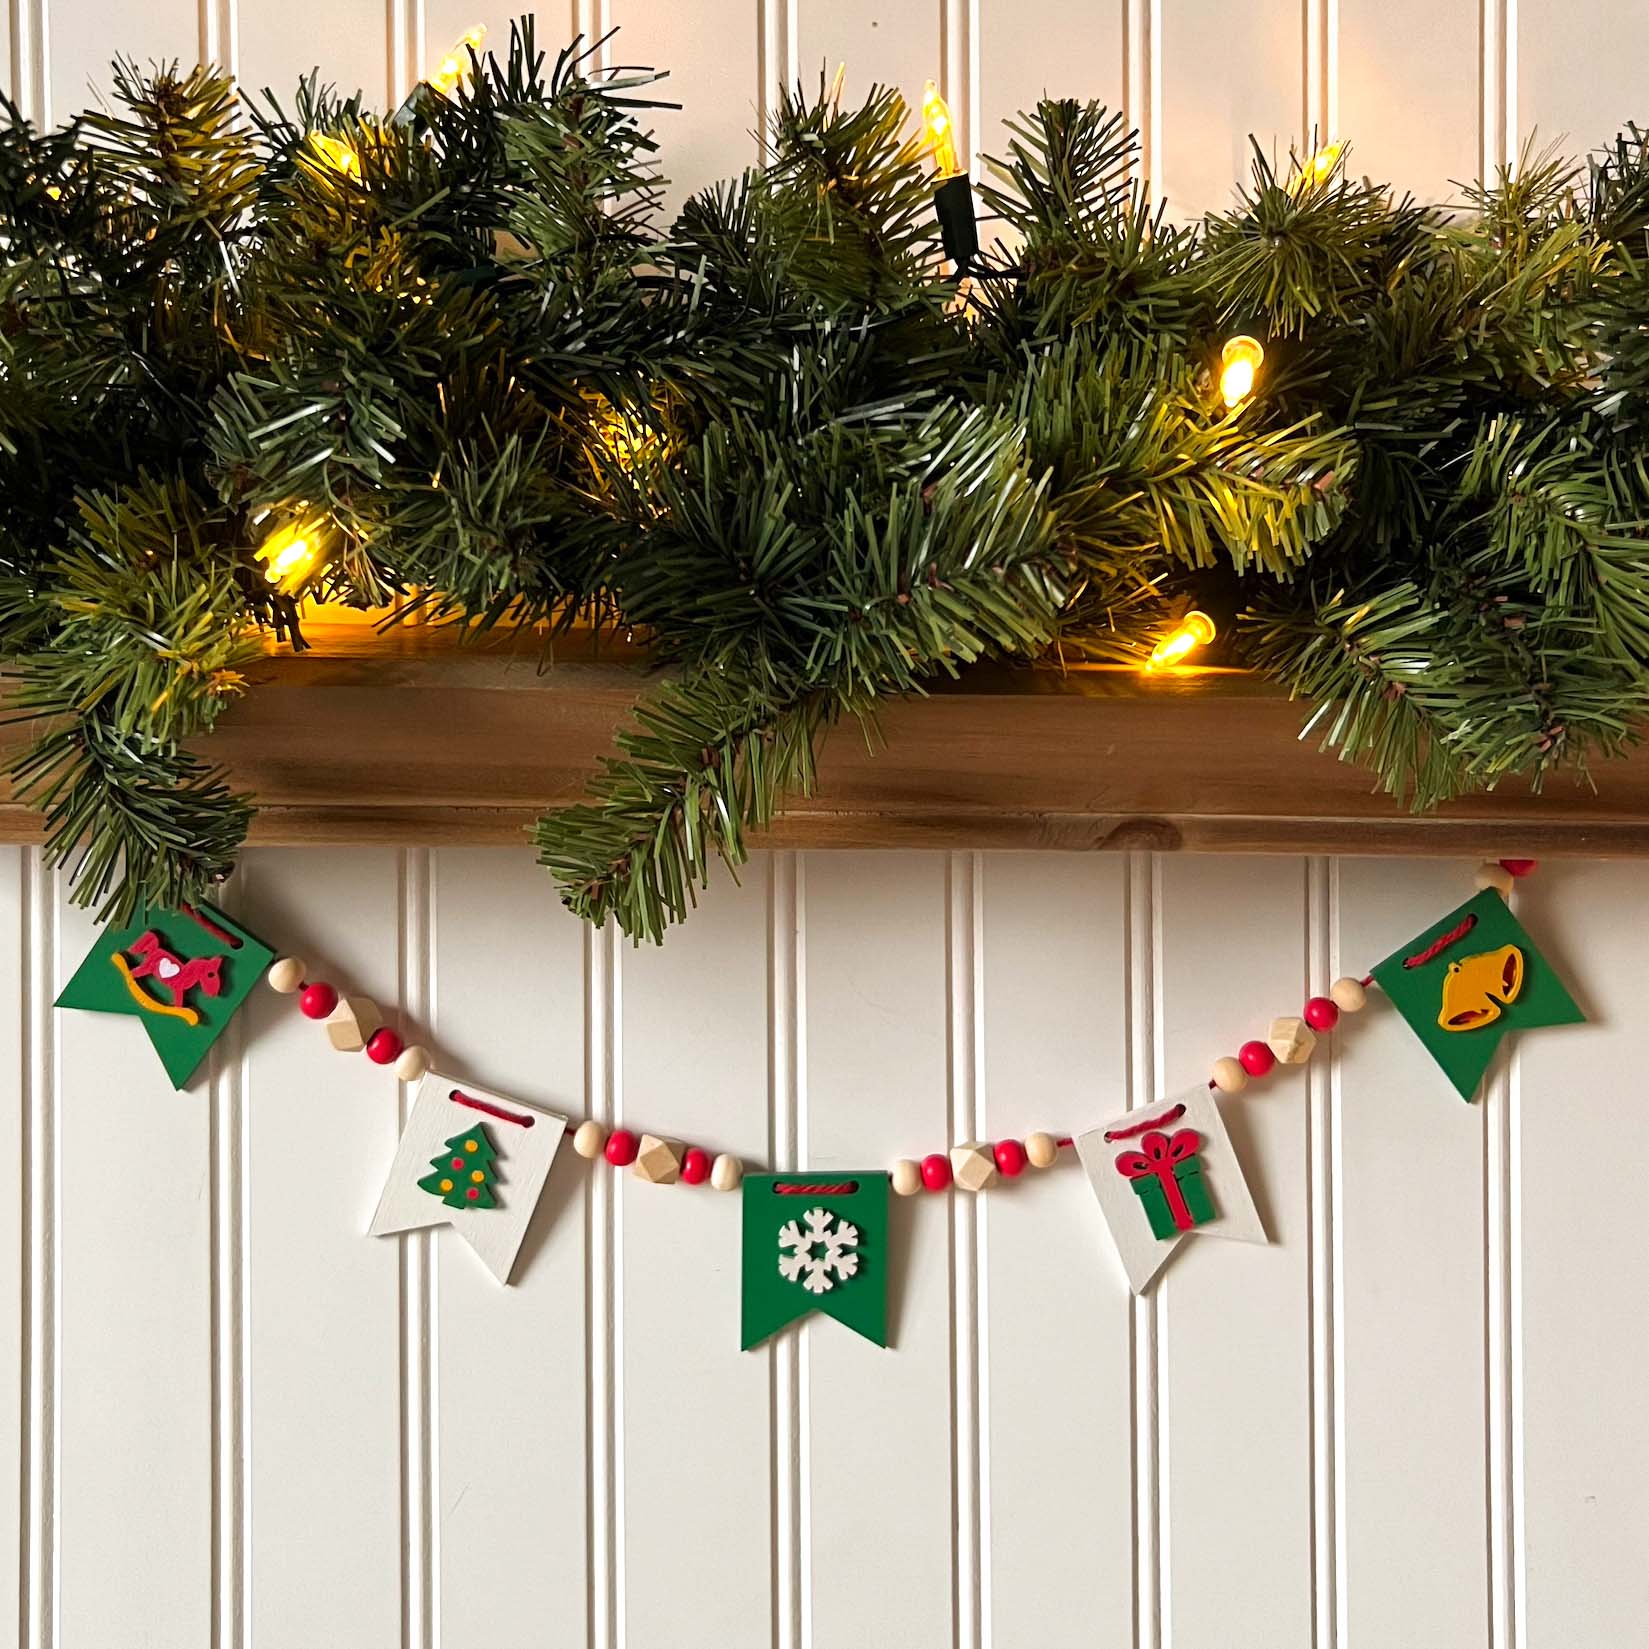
(1157, 1155)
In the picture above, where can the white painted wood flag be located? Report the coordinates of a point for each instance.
(1163, 1172)
(474, 1160)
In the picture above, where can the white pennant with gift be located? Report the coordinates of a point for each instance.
(1166, 1172)
(474, 1160)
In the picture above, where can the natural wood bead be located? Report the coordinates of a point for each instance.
(973, 1166)
(1495, 876)
(1229, 1076)
(590, 1139)
(907, 1177)
(659, 1160)
(413, 1065)
(350, 1025)
(726, 1173)
(1041, 1149)
(1292, 1040)
(287, 975)
(1348, 995)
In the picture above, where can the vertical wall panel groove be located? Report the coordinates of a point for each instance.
(419, 1563)
(601, 962)
(39, 1565)
(1321, 965)
(1148, 1418)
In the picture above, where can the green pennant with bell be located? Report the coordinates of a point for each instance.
(182, 972)
(815, 1242)
(1468, 980)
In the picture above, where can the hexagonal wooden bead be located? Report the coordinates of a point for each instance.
(907, 1177)
(1229, 1076)
(286, 975)
(973, 1166)
(589, 1139)
(1042, 1149)
(350, 1025)
(1292, 1040)
(1348, 995)
(1496, 876)
(726, 1173)
(659, 1160)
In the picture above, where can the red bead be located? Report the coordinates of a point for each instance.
(1520, 867)
(936, 1172)
(383, 1047)
(695, 1166)
(1321, 1014)
(1256, 1058)
(622, 1146)
(318, 1000)
(1010, 1157)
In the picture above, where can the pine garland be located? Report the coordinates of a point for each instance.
(456, 355)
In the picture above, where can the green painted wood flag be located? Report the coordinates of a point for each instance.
(815, 1242)
(1468, 980)
(182, 972)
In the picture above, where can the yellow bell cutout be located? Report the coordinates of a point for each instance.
(1476, 988)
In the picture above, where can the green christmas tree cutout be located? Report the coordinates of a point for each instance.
(466, 1171)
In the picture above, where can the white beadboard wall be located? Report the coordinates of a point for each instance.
(1413, 1423)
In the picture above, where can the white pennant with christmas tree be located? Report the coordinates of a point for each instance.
(1164, 1172)
(474, 1160)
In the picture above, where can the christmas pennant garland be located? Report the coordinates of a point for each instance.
(818, 1241)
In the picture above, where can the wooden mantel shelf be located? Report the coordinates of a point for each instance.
(414, 737)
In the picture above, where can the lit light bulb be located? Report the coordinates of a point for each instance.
(941, 131)
(1320, 167)
(289, 555)
(337, 154)
(1239, 361)
(1195, 630)
(455, 65)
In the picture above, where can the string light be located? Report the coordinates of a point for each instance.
(289, 554)
(1320, 167)
(337, 154)
(455, 65)
(1195, 630)
(1239, 361)
(941, 131)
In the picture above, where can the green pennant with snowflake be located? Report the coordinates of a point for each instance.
(815, 1242)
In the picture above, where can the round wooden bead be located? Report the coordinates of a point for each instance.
(1229, 1075)
(287, 975)
(726, 1173)
(695, 1166)
(1042, 1150)
(1010, 1158)
(935, 1171)
(1321, 1014)
(413, 1065)
(622, 1147)
(589, 1139)
(383, 1047)
(318, 1000)
(1257, 1059)
(1495, 876)
(1348, 995)
(907, 1177)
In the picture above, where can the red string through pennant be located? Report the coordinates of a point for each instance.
(798, 1188)
(220, 934)
(1438, 946)
(460, 1098)
(1168, 1116)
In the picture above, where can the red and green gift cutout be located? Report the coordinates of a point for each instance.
(1166, 1174)
(182, 972)
(1470, 979)
(815, 1242)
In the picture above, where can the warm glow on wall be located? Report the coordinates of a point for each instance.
(1195, 630)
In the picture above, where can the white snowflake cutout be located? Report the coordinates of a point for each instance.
(820, 1256)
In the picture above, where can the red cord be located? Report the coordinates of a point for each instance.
(212, 928)
(460, 1098)
(794, 1188)
(1438, 946)
(1172, 1115)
